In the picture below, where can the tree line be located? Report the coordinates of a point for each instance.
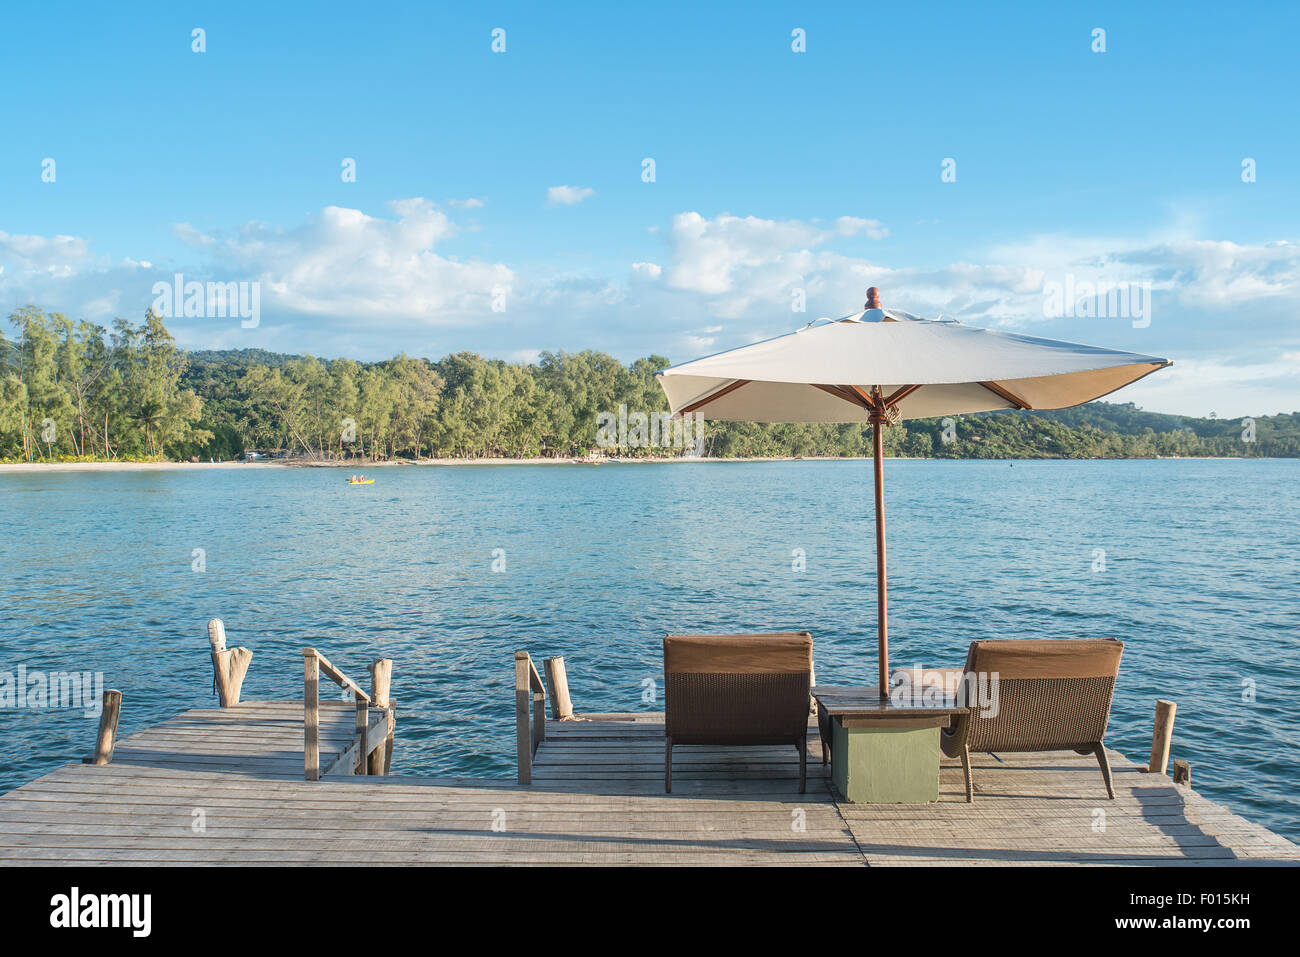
(75, 390)
(78, 391)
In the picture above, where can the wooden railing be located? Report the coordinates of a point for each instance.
(530, 707)
(357, 757)
(530, 699)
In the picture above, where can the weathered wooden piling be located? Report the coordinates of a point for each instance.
(229, 666)
(380, 759)
(106, 739)
(1182, 772)
(1162, 736)
(557, 680)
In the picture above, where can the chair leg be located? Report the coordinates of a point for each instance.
(965, 767)
(1100, 751)
(803, 764)
(668, 765)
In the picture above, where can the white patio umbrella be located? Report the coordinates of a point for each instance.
(882, 366)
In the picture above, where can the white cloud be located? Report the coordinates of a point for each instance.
(852, 225)
(1231, 390)
(191, 236)
(1227, 307)
(346, 282)
(568, 195)
(57, 256)
(347, 263)
(710, 256)
(469, 203)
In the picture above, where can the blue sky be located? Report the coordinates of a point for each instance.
(775, 171)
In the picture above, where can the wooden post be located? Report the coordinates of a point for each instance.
(539, 705)
(106, 740)
(882, 592)
(1162, 736)
(363, 724)
(388, 742)
(381, 674)
(523, 737)
(1182, 772)
(311, 714)
(228, 666)
(557, 680)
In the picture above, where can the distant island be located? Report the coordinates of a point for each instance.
(75, 391)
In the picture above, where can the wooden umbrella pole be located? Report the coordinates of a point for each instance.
(882, 597)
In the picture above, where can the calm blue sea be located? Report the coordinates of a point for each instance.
(1192, 563)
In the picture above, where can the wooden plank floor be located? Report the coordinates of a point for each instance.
(225, 787)
(1052, 809)
(250, 738)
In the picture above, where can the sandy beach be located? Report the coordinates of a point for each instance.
(368, 466)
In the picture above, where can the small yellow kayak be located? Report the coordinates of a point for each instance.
(362, 482)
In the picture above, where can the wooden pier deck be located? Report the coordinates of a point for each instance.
(225, 787)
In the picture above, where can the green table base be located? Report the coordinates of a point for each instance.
(884, 765)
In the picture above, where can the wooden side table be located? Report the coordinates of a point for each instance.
(882, 751)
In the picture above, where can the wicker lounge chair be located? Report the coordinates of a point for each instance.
(1052, 694)
(737, 690)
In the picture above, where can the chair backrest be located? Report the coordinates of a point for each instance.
(1052, 693)
(733, 689)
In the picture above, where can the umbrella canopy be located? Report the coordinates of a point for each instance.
(882, 366)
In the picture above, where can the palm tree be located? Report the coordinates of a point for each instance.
(149, 415)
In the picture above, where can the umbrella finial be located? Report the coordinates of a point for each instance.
(873, 298)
